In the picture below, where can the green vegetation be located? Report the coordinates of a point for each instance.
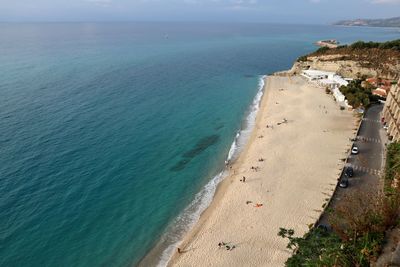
(359, 223)
(322, 49)
(318, 247)
(395, 45)
(356, 95)
(392, 163)
(382, 57)
(319, 50)
(302, 59)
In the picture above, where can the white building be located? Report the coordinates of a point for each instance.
(313, 75)
(338, 95)
(329, 80)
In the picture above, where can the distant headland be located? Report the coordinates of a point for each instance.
(390, 22)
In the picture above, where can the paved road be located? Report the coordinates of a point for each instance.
(368, 163)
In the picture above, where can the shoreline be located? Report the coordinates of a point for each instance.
(164, 249)
(208, 228)
(224, 184)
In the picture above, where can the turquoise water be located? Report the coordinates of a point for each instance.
(112, 135)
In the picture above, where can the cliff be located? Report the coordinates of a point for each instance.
(353, 63)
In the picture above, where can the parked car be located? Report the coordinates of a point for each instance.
(344, 182)
(354, 150)
(349, 172)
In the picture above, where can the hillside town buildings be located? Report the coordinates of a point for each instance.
(391, 113)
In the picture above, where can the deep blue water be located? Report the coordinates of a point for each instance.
(108, 130)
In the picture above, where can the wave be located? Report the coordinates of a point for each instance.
(191, 214)
(243, 134)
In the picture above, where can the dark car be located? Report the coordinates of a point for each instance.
(349, 172)
(344, 182)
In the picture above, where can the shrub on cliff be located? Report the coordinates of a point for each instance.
(381, 57)
(359, 223)
(302, 59)
(317, 248)
(395, 45)
(393, 160)
(362, 45)
(322, 49)
(391, 186)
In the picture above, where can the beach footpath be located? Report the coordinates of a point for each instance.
(283, 177)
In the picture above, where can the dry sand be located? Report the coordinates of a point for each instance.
(299, 172)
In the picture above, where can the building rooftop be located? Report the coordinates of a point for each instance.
(317, 73)
(379, 92)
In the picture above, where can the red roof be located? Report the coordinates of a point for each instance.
(385, 88)
(379, 82)
(379, 92)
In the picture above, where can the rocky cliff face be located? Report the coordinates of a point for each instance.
(349, 67)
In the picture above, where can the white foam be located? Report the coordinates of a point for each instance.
(233, 148)
(249, 122)
(186, 220)
(191, 215)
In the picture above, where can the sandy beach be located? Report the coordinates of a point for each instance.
(291, 169)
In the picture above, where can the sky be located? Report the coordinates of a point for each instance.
(276, 11)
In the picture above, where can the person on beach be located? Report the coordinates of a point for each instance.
(179, 251)
(254, 168)
(244, 179)
(230, 247)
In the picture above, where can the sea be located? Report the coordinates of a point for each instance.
(114, 136)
